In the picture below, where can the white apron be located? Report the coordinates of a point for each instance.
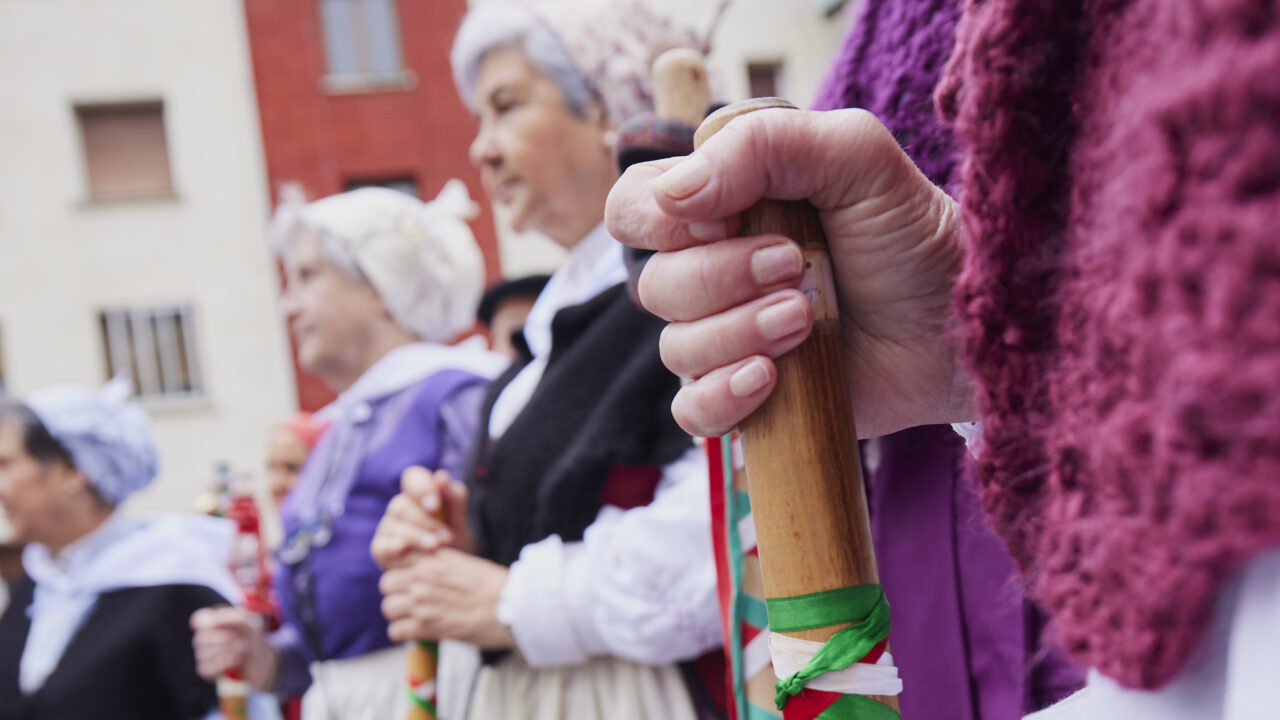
(367, 687)
(605, 688)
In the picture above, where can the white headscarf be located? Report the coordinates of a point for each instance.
(610, 44)
(108, 437)
(420, 257)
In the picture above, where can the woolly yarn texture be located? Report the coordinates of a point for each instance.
(1120, 305)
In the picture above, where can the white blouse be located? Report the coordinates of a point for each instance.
(1235, 674)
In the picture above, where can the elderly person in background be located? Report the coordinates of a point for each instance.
(289, 444)
(99, 629)
(586, 570)
(376, 282)
(504, 307)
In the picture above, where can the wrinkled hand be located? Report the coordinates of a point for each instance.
(445, 594)
(732, 301)
(413, 521)
(230, 638)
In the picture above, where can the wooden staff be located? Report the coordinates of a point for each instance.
(800, 446)
(423, 665)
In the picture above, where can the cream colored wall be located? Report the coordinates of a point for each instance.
(63, 258)
(794, 32)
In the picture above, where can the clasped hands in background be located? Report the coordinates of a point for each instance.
(433, 587)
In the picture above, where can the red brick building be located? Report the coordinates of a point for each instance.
(359, 92)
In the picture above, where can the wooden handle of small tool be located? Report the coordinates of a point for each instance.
(680, 90)
(800, 446)
(233, 697)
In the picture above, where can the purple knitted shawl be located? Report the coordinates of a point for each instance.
(1120, 305)
(889, 65)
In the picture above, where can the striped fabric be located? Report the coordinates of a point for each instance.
(746, 626)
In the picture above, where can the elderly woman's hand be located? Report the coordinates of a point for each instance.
(430, 512)
(733, 302)
(231, 638)
(445, 594)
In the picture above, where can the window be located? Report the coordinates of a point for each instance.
(361, 42)
(156, 348)
(125, 153)
(762, 79)
(406, 185)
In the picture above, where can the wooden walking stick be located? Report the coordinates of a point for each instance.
(826, 609)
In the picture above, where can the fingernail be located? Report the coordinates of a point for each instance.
(431, 502)
(709, 230)
(428, 541)
(776, 263)
(688, 177)
(749, 379)
(781, 319)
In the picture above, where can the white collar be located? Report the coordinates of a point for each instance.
(128, 552)
(594, 265)
(407, 365)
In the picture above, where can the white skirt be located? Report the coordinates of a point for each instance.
(368, 687)
(602, 689)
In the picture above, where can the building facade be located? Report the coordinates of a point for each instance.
(132, 210)
(359, 92)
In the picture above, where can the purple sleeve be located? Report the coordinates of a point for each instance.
(459, 422)
(293, 674)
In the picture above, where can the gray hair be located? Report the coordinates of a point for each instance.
(497, 25)
(288, 224)
(421, 258)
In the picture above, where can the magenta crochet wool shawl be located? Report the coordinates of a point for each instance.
(1120, 305)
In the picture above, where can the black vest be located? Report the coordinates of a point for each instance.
(603, 405)
(132, 659)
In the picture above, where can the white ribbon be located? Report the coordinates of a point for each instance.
(790, 656)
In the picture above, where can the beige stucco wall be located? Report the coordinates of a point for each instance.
(64, 258)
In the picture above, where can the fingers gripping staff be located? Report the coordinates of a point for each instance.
(828, 613)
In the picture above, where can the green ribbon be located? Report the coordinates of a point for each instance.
(425, 705)
(858, 707)
(864, 605)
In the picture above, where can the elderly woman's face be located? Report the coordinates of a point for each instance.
(30, 493)
(330, 312)
(550, 169)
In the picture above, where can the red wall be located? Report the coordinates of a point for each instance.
(323, 140)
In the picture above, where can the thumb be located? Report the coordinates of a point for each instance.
(419, 485)
(456, 498)
(455, 495)
(833, 159)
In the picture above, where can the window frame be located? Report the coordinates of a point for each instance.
(158, 347)
(84, 111)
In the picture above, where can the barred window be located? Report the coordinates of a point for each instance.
(156, 348)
